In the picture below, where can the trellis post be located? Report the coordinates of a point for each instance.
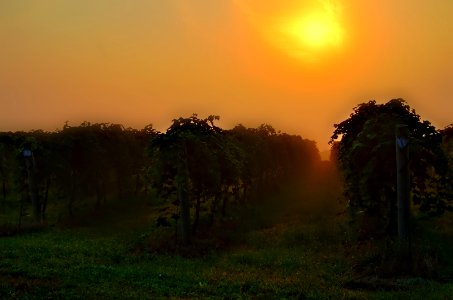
(403, 179)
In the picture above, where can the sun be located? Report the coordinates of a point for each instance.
(317, 31)
(308, 30)
(312, 34)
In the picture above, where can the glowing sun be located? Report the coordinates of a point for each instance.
(313, 33)
(309, 30)
(318, 31)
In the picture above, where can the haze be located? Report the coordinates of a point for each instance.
(140, 62)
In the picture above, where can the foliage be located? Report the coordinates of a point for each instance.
(366, 156)
(75, 167)
(86, 169)
(217, 169)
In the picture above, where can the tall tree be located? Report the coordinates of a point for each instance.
(366, 155)
(183, 156)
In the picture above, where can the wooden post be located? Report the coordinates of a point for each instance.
(403, 179)
(33, 190)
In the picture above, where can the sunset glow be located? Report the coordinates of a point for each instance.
(300, 65)
(314, 32)
(306, 30)
(318, 31)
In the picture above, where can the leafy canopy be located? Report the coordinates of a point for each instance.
(366, 157)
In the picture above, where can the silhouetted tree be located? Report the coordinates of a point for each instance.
(184, 159)
(366, 155)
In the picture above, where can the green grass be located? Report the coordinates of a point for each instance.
(72, 264)
(290, 255)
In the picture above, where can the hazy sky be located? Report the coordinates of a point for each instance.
(298, 65)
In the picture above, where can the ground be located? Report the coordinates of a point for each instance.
(285, 252)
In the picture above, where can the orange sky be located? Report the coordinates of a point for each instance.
(139, 62)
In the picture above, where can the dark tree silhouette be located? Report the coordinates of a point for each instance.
(183, 156)
(366, 155)
(200, 171)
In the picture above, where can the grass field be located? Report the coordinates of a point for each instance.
(290, 253)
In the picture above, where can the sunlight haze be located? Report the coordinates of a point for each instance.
(300, 66)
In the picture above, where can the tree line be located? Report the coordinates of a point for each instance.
(85, 164)
(200, 172)
(207, 168)
(198, 169)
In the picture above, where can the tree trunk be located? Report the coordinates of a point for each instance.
(197, 213)
(145, 192)
(33, 190)
(224, 204)
(100, 195)
(245, 193)
(97, 205)
(21, 208)
(137, 185)
(4, 190)
(184, 209)
(72, 197)
(120, 192)
(403, 180)
(183, 197)
(45, 198)
(103, 194)
(214, 209)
